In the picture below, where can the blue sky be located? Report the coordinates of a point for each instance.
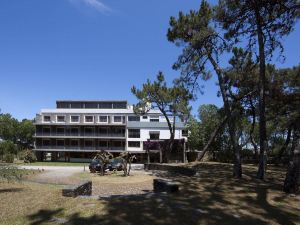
(90, 49)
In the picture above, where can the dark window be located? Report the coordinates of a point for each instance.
(74, 119)
(88, 130)
(134, 133)
(46, 130)
(89, 119)
(117, 119)
(185, 133)
(46, 142)
(105, 105)
(145, 117)
(103, 119)
(154, 119)
(117, 144)
(119, 105)
(76, 105)
(134, 144)
(154, 135)
(61, 118)
(60, 130)
(74, 143)
(63, 105)
(60, 142)
(133, 118)
(91, 105)
(103, 130)
(74, 131)
(103, 144)
(88, 143)
(47, 118)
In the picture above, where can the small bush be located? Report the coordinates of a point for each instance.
(29, 156)
(9, 158)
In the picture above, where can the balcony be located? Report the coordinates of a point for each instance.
(80, 135)
(77, 148)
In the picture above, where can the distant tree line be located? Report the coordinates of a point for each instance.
(16, 137)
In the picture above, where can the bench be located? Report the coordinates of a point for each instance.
(163, 185)
(83, 188)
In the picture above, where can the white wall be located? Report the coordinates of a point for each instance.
(164, 134)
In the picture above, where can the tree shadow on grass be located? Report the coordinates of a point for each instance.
(213, 197)
(43, 216)
(6, 190)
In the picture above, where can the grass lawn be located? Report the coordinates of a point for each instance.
(53, 164)
(213, 197)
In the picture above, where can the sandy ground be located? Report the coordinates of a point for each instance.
(55, 174)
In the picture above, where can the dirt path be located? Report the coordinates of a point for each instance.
(55, 174)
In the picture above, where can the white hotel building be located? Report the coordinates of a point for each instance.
(75, 130)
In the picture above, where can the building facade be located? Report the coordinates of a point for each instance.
(76, 130)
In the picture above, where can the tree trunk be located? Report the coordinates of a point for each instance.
(262, 84)
(237, 167)
(252, 130)
(211, 139)
(292, 179)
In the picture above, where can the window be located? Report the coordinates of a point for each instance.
(60, 142)
(46, 130)
(88, 130)
(134, 133)
(89, 119)
(74, 131)
(133, 118)
(105, 105)
(88, 143)
(103, 131)
(74, 143)
(76, 105)
(103, 144)
(46, 142)
(185, 133)
(154, 118)
(145, 117)
(47, 119)
(60, 130)
(103, 119)
(154, 135)
(61, 119)
(91, 105)
(117, 119)
(119, 105)
(74, 119)
(134, 144)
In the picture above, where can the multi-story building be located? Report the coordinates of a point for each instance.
(75, 130)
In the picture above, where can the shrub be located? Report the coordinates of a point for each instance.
(28, 156)
(9, 158)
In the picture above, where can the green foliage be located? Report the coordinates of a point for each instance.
(7, 147)
(8, 158)
(25, 133)
(8, 127)
(28, 156)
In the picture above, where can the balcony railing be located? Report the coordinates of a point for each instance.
(86, 148)
(59, 134)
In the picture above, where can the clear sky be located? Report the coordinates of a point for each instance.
(90, 49)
